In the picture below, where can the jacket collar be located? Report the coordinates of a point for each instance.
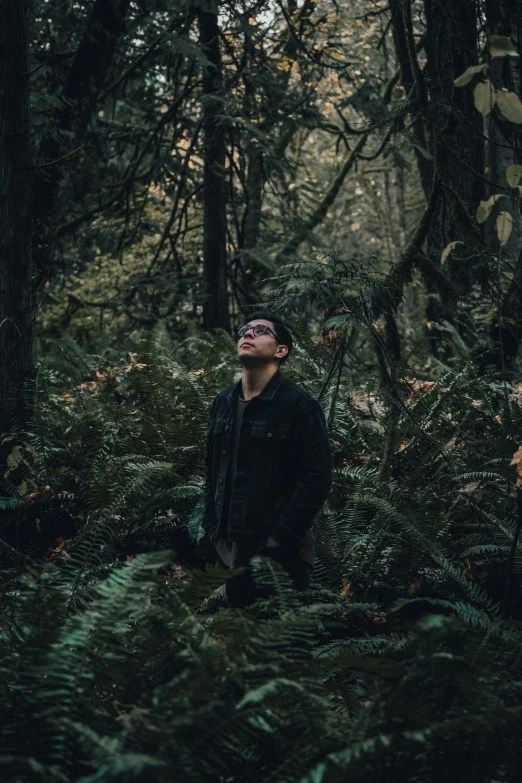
(272, 386)
(267, 394)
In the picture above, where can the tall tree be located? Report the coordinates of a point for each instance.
(215, 308)
(105, 25)
(503, 149)
(17, 277)
(457, 147)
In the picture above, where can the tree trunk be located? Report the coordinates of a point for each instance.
(405, 53)
(503, 148)
(215, 307)
(17, 278)
(457, 148)
(254, 192)
(88, 73)
(91, 63)
(259, 160)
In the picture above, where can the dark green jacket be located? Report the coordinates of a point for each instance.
(284, 468)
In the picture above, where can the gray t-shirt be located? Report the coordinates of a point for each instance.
(235, 554)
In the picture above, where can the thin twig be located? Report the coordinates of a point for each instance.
(59, 160)
(36, 68)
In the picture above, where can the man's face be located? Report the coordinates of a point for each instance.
(255, 351)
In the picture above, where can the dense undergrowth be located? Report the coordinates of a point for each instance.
(119, 657)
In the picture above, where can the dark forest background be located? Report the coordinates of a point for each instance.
(165, 167)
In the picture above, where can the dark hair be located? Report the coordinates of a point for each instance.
(281, 328)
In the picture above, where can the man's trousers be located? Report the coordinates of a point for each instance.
(242, 590)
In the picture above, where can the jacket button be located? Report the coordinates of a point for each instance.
(224, 452)
(220, 480)
(226, 426)
(268, 434)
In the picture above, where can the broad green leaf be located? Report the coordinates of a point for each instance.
(485, 207)
(484, 97)
(513, 174)
(15, 457)
(504, 224)
(500, 46)
(447, 250)
(468, 74)
(510, 106)
(22, 489)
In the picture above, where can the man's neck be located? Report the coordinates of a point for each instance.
(254, 379)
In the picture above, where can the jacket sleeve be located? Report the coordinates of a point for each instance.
(209, 511)
(314, 478)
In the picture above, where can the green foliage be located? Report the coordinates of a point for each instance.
(119, 658)
(122, 665)
(139, 681)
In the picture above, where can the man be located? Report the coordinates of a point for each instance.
(268, 463)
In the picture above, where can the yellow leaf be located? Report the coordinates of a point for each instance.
(485, 207)
(510, 106)
(482, 212)
(470, 487)
(484, 97)
(447, 250)
(15, 457)
(355, 226)
(345, 592)
(504, 224)
(468, 75)
(513, 174)
(517, 457)
(500, 46)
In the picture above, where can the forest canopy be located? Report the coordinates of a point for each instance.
(166, 168)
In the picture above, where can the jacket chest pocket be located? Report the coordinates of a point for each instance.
(221, 427)
(221, 436)
(271, 434)
(269, 444)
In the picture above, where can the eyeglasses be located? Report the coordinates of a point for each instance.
(257, 330)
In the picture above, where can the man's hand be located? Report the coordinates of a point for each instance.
(272, 542)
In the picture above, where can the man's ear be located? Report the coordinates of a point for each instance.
(281, 352)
